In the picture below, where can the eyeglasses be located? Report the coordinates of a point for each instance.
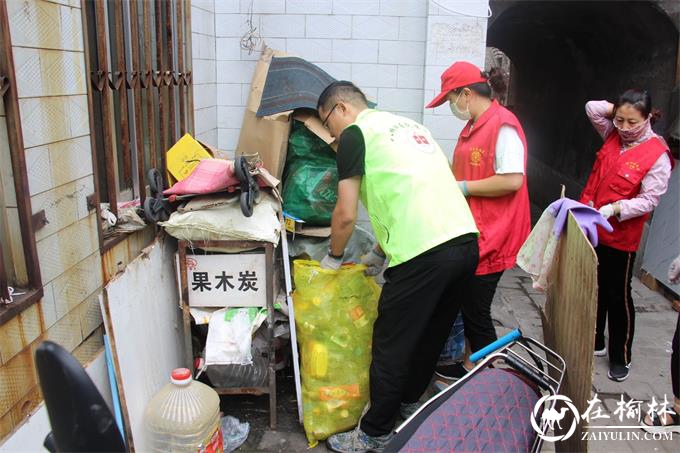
(325, 121)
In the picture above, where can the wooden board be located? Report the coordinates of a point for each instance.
(144, 324)
(569, 321)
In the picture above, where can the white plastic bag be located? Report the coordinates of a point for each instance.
(225, 221)
(230, 333)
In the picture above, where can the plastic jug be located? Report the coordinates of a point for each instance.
(184, 416)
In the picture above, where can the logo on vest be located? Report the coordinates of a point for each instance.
(476, 155)
(632, 165)
(414, 136)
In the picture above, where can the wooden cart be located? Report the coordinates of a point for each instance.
(270, 295)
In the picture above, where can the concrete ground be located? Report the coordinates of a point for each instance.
(516, 304)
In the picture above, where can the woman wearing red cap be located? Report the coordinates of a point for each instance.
(489, 163)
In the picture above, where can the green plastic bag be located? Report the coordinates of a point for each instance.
(334, 315)
(310, 178)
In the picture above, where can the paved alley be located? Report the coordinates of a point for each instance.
(516, 304)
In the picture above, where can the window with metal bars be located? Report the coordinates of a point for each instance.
(20, 282)
(138, 55)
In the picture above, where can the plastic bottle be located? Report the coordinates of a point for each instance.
(184, 416)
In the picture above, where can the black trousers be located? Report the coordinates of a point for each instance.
(477, 298)
(419, 302)
(675, 360)
(615, 303)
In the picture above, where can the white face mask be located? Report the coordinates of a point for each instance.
(465, 116)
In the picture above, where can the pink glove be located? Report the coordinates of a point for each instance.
(586, 217)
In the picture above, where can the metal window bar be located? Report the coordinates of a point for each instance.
(122, 107)
(162, 110)
(122, 23)
(181, 85)
(170, 47)
(148, 31)
(136, 96)
(4, 284)
(15, 139)
(188, 67)
(103, 72)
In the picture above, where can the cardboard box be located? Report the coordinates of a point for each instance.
(297, 226)
(315, 125)
(267, 136)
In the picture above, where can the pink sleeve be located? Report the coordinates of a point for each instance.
(654, 184)
(597, 114)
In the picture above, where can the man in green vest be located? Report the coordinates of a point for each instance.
(426, 233)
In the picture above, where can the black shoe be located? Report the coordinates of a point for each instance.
(451, 372)
(618, 373)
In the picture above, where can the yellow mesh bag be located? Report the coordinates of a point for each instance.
(334, 315)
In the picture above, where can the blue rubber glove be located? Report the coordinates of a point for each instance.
(462, 185)
(587, 218)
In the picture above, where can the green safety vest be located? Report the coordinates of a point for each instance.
(408, 189)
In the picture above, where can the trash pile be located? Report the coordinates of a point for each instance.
(224, 211)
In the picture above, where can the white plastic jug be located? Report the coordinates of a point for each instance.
(184, 416)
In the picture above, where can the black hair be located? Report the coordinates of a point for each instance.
(641, 101)
(341, 90)
(495, 86)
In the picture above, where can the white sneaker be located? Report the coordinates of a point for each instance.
(601, 352)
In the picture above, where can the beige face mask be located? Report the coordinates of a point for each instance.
(465, 116)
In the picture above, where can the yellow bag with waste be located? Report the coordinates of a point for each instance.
(334, 315)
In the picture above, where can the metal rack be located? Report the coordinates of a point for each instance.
(268, 247)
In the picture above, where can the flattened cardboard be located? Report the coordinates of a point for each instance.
(267, 136)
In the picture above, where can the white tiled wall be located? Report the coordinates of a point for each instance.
(455, 32)
(204, 79)
(395, 50)
(49, 60)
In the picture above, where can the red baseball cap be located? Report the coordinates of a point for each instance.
(459, 74)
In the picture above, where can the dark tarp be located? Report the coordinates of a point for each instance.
(292, 83)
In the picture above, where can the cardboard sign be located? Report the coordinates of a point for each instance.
(227, 280)
(184, 155)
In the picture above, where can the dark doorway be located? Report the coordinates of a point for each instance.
(566, 53)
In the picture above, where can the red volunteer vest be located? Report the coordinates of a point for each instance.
(504, 222)
(618, 176)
